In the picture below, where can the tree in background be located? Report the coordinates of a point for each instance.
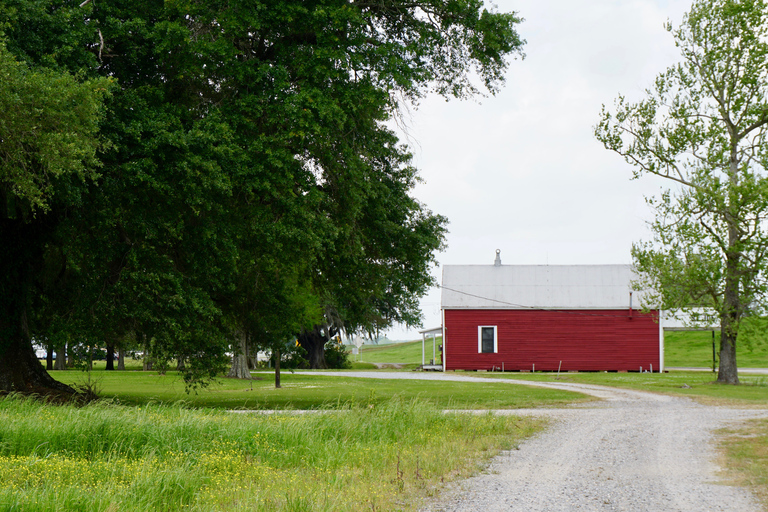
(249, 182)
(703, 128)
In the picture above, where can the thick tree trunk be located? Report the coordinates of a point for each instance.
(20, 255)
(314, 343)
(121, 358)
(239, 368)
(61, 358)
(20, 371)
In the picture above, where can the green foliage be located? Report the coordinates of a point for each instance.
(336, 355)
(49, 124)
(703, 127)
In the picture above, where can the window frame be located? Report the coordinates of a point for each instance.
(480, 339)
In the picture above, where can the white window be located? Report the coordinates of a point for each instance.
(487, 341)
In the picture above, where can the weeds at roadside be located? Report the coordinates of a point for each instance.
(105, 456)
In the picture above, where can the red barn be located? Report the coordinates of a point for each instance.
(547, 317)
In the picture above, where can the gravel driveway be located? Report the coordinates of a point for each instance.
(633, 451)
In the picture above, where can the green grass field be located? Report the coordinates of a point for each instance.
(302, 391)
(402, 353)
(376, 444)
(694, 349)
(108, 457)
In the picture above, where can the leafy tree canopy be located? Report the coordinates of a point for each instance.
(249, 182)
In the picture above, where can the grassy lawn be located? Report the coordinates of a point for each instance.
(108, 457)
(403, 353)
(380, 444)
(301, 391)
(694, 349)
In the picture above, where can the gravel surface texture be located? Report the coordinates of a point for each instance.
(632, 451)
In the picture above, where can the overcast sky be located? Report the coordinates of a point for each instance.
(521, 171)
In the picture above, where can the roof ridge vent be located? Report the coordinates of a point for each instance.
(497, 261)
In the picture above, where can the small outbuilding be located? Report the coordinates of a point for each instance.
(547, 317)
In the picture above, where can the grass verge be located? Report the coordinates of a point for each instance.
(103, 456)
(744, 454)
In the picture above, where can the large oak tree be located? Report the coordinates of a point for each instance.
(249, 179)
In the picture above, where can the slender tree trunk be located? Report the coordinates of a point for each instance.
(110, 364)
(49, 357)
(239, 368)
(277, 368)
(314, 343)
(147, 361)
(729, 325)
(731, 313)
(70, 355)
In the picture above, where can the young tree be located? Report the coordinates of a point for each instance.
(702, 127)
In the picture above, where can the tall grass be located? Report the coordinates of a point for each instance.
(169, 457)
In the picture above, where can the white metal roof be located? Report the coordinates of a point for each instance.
(539, 286)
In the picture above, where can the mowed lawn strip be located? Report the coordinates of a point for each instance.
(302, 391)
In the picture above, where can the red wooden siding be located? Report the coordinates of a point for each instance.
(582, 340)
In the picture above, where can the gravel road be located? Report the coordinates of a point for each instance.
(633, 451)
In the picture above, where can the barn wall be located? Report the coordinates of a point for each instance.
(582, 340)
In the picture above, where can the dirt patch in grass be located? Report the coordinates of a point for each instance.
(743, 455)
